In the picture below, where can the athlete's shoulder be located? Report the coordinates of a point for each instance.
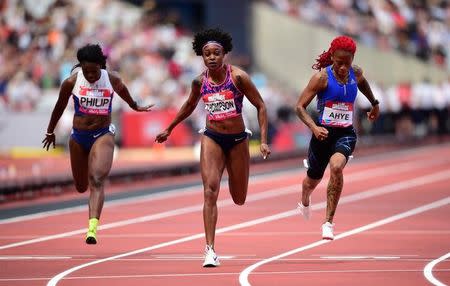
(198, 80)
(320, 78)
(357, 70)
(238, 71)
(71, 80)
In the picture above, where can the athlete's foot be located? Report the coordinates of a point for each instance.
(305, 211)
(91, 235)
(211, 259)
(305, 208)
(327, 231)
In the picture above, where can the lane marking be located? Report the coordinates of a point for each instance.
(428, 270)
(176, 192)
(32, 257)
(200, 274)
(358, 176)
(193, 189)
(349, 257)
(359, 196)
(243, 277)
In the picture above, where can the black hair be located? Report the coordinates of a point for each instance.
(217, 35)
(91, 53)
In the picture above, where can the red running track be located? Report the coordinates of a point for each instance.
(390, 224)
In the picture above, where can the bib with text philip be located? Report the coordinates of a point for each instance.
(337, 114)
(94, 101)
(220, 105)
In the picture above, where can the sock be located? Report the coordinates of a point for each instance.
(93, 222)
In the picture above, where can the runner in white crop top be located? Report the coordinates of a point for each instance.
(92, 141)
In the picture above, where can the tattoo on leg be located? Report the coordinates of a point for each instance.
(334, 191)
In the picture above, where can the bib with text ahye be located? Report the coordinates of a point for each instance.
(220, 105)
(337, 114)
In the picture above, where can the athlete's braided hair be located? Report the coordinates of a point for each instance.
(91, 53)
(216, 35)
(339, 43)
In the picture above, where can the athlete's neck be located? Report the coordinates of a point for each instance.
(217, 76)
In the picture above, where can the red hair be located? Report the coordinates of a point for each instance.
(339, 43)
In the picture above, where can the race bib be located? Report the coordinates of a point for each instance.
(94, 101)
(220, 105)
(337, 114)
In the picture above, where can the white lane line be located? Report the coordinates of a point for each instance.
(358, 176)
(200, 274)
(356, 257)
(253, 178)
(243, 277)
(33, 257)
(428, 270)
(143, 198)
(359, 196)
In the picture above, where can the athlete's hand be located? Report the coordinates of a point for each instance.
(321, 133)
(161, 137)
(373, 114)
(146, 108)
(49, 140)
(265, 150)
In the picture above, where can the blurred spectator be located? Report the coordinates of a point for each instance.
(420, 28)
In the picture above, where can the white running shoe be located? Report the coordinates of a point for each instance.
(305, 211)
(327, 231)
(211, 259)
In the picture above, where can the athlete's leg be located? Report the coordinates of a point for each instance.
(308, 186)
(100, 162)
(212, 161)
(79, 164)
(335, 184)
(238, 162)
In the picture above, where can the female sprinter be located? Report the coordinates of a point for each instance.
(91, 143)
(333, 137)
(224, 143)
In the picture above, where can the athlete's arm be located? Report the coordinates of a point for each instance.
(364, 87)
(317, 83)
(186, 109)
(121, 89)
(246, 86)
(61, 104)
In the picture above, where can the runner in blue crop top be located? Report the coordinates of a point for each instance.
(92, 141)
(333, 138)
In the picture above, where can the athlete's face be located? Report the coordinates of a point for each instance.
(91, 71)
(342, 62)
(213, 56)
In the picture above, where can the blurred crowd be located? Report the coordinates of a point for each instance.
(408, 110)
(414, 27)
(153, 53)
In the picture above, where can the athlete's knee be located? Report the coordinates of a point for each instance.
(210, 195)
(96, 181)
(81, 188)
(239, 200)
(336, 169)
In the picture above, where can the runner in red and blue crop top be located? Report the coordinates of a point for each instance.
(224, 142)
(333, 137)
(92, 140)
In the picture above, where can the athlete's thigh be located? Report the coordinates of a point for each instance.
(79, 165)
(101, 156)
(212, 162)
(238, 162)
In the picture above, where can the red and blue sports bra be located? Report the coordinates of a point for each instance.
(222, 101)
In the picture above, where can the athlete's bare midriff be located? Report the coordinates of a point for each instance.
(91, 122)
(227, 126)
